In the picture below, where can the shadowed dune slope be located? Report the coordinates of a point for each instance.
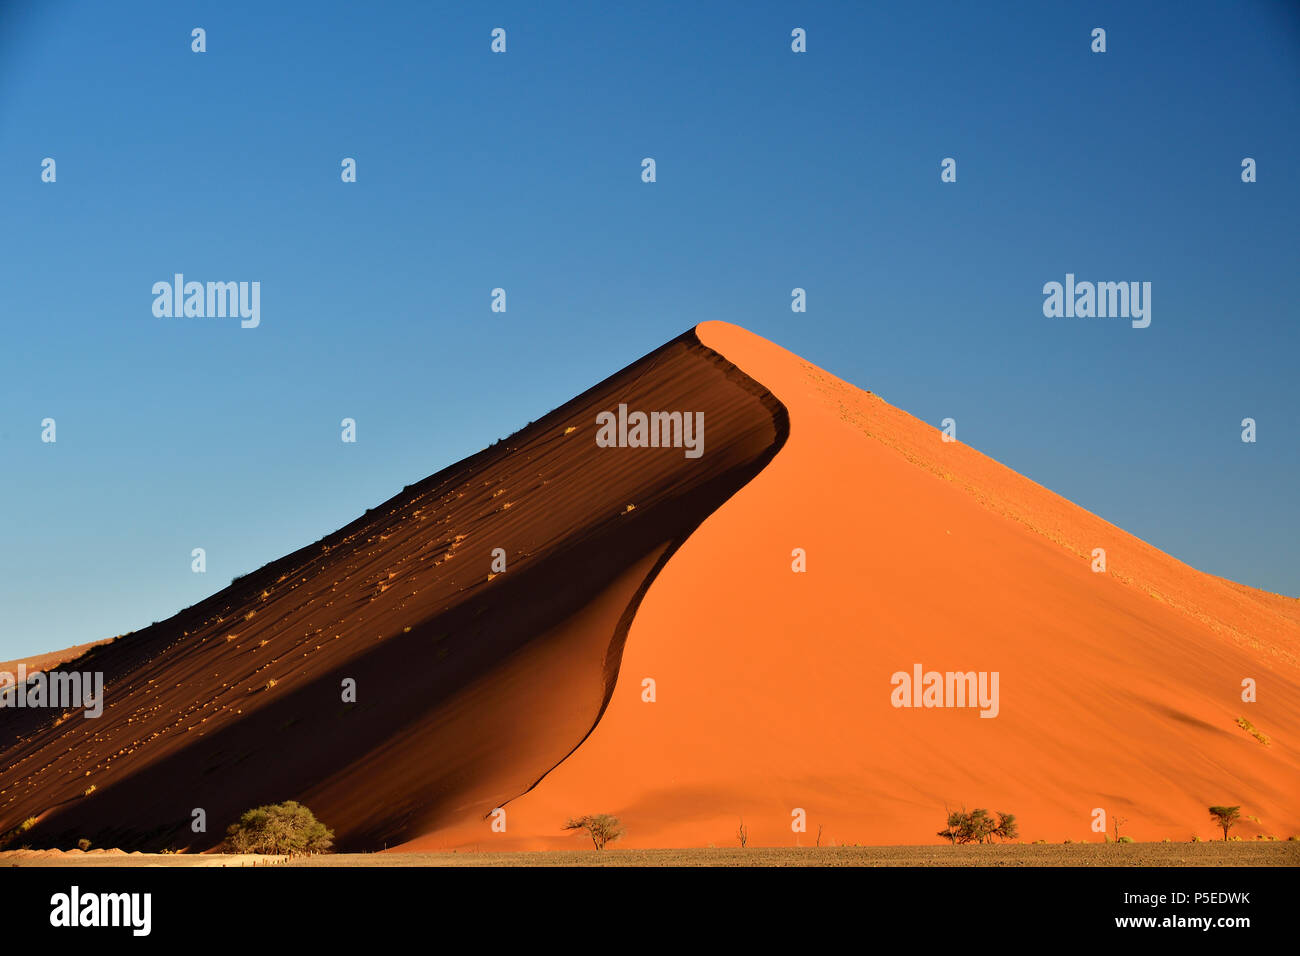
(1118, 690)
(470, 685)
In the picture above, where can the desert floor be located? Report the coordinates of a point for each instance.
(1217, 854)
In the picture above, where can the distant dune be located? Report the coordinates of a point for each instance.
(47, 661)
(524, 689)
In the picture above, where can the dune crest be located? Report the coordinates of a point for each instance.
(829, 625)
(1118, 690)
(479, 617)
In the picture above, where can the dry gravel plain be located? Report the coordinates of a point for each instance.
(1255, 853)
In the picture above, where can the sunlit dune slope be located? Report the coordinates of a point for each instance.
(470, 685)
(1119, 690)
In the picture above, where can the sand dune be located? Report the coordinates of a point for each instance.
(524, 690)
(47, 661)
(470, 685)
(1118, 690)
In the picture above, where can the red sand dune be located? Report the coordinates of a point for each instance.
(470, 685)
(1118, 690)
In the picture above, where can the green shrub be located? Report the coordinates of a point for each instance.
(286, 828)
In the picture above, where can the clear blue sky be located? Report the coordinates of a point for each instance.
(522, 170)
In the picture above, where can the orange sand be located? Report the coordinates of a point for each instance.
(1118, 690)
(523, 689)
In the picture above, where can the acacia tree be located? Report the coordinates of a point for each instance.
(602, 827)
(282, 828)
(978, 826)
(954, 829)
(1225, 817)
(1006, 828)
(981, 826)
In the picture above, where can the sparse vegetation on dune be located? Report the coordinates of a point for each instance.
(16, 832)
(1249, 728)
